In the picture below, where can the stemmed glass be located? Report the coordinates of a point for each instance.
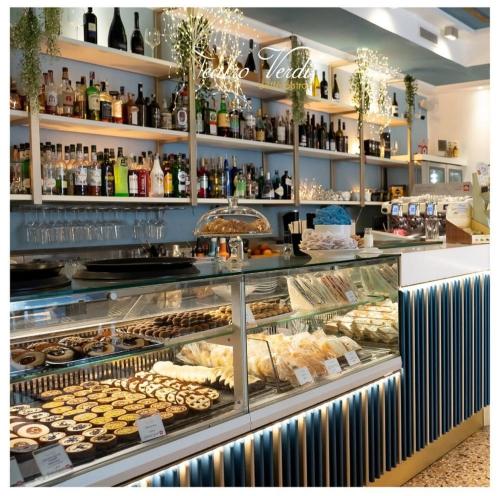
(152, 38)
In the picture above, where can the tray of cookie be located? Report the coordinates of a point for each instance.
(72, 350)
(96, 418)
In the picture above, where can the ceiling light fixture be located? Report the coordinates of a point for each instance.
(450, 33)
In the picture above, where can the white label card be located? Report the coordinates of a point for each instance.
(150, 427)
(16, 478)
(52, 459)
(332, 366)
(352, 358)
(303, 375)
(351, 297)
(249, 315)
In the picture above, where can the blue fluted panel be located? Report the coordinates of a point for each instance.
(486, 307)
(433, 323)
(336, 446)
(356, 441)
(314, 445)
(290, 453)
(234, 464)
(445, 360)
(201, 471)
(264, 459)
(468, 347)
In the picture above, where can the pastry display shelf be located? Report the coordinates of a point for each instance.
(18, 117)
(243, 201)
(114, 199)
(110, 58)
(241, 144)
(326, 154)
(57, 368)
(85, 126)
(21, 197)
(297, 315)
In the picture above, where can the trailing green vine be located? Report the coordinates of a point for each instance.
(411, 92)
(29, 35)
(360, 85)
(300, 65)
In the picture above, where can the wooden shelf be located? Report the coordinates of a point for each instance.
(16, 198)
(419, 157)
(223, 201)
(328, 202)
(72, 125)
(374, 203)
(318, 104)
(18, 117)
(385, 162)
(240, 144)
(378, 120)
(113, 199)
(262, 91)
(111, 58)
(326, 154)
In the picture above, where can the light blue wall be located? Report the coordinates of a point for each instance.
(181, 221)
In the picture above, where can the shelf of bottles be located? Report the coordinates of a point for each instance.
(112, 199)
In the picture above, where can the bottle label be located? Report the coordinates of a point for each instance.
(133, 117)
(92, 26)
(235, 124)
(260, 135)
(166, 120)
(68, 99)
(94, 177)
(117, 109)
(199, 122)
(182, 119)
(168, 183)
(222, 120)
(281, 134)
(157, 183)
(81, 177)
(336, 96)
(94, 103)
(106, 111)
(133, 184)
(49, 182)
(279, 190)
(288, 181)
(27, 182)
(182, 180)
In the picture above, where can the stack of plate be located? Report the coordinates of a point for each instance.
(266, 287)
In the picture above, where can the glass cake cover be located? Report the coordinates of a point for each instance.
(233, 220)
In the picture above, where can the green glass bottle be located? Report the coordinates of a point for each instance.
(120, 171)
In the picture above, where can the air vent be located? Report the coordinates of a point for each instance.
(428, 35)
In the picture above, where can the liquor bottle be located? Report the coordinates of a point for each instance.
(260, 182)
(157, 176)
(324, 87)
(90, 26)
(124, 102)
(181, 109)
(249, 123)
(71, 170)
(25, 170)
(65, 96)
(136, 41)
(155, 113)
(233, 175)
(80, 100)
(335, 92)
(142, 178)
(210, 118)
(227, 183)
(286, 184)
(132, 111)
(202, 180)
(288, 128)
(241, 185)
(141, 107)
(252, 188)
(315, 84)
(133, 181)
(116, 107)
(108, 179)
(270, 126)
(117, 37)
(120, 172)
(48, 173)
(147, 102)
(281, 130)
(80, 173)
(181, 179)
(60, 173)
(223, 118)
(312, 133)
(331, 138)
(200, 125)
(278, 190)
(250, 62)
(395, 108)
(166, 115)
(322, 135)
(265, 67)
(106, 104)
(93, 102)
(267, 189)
(260, 131)
(339, 141)
(234, 121)
(94, 178)
(345, 139)
(168, 184)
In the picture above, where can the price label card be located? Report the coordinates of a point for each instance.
(352, 358)
(51, 459)
(351, 297)
(249, 315)
(303, 375)
(332, 366)
(150, 427)
(16, 478)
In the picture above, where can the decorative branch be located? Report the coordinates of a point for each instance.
(411, 92)
(300, 68)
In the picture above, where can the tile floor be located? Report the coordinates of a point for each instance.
(468, 465)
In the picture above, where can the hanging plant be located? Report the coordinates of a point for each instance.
(300, 68)
(360, 85)
(411, 92)
(29, 35)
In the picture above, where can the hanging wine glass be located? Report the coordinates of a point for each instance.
(152, 38)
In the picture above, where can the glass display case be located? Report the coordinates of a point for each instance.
(88, 364)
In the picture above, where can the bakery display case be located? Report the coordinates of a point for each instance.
(199, 353)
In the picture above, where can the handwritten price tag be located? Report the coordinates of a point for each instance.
(249, 315)
(16, 478)
(352, 358)
(150, 427)
(332, 366)
(351, 297)
(303, 375)
(52, 459)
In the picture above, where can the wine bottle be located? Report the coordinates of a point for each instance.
(141, 107)
(90, 27)
(137, 42)
(315, 84)
(336, 91)
(339, 139)
(323, 87)
(395, 108)
(117, 37)
(346, 139)
(250, 62)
